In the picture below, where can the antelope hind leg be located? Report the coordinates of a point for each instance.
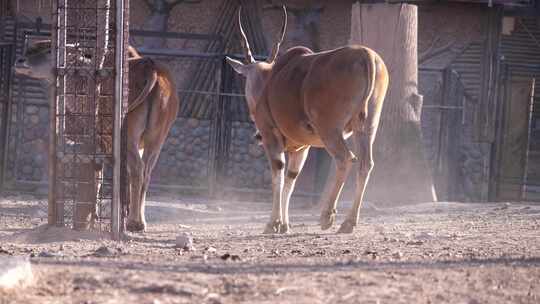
(363, 143)
(343, 159)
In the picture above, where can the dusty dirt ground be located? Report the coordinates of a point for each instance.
(425, 253)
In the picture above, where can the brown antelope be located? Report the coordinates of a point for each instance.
(302, 99)
(152, 109)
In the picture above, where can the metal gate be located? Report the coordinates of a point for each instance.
(6, 60)
(519, 178)
(445, 114)
(516, 164)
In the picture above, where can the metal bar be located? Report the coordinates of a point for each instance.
(496, 151)
(442, 107)
(506, 3)
(441, 70)
(522, 65)
(177, 187)
(43, 104)
(529, 131)
(52, 207)
(215, 135)
(21, 184)
(176, 53)
(30, 25)
(141, 33)
(430, 69)
(174, 35)
(210, 93)
(119, 96)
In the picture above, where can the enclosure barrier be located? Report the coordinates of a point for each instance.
(89, 98)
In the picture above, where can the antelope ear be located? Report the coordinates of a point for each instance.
(238, 66)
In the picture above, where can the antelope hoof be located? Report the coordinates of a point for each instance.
(258, 138)
(135, 226)
(285, 228)
(353, 157)
(346, 227)
(328, 218)
(273, 227)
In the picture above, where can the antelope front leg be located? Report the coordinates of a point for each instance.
(294, 167)
(135, 221)
(277, 163)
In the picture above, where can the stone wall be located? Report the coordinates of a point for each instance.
(247, 166)
(28, 148)
(185, 157)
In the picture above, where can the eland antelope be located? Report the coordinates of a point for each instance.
(301, 99)
(152, 109)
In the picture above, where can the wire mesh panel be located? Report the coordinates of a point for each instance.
(84, 112)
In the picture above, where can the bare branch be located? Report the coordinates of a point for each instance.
(432, 51)
(434, 41)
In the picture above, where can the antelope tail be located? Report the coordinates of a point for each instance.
(145, 92)
(372, 74)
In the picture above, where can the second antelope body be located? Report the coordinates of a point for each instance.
(302, 99)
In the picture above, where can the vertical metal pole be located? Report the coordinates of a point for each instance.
(215, 135)
(529, 131)
(118, 99)
(52, 210)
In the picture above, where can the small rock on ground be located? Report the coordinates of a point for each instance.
(185, 241)
(14, 272)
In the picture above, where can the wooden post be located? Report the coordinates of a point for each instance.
(401, 173)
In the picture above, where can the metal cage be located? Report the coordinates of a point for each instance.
(89, 39)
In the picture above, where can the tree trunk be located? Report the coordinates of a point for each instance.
(401, 173)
